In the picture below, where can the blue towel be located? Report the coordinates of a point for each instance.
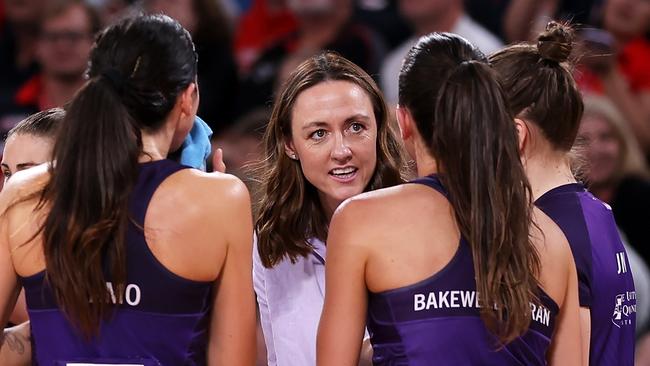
(197, 148)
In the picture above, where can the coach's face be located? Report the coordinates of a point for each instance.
(334, 138)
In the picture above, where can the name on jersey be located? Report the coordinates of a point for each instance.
(446, 299)
(468, 299)
(621, 263)
(132, 294)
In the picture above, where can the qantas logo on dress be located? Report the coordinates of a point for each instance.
(621, 263)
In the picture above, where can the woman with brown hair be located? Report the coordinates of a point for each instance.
(455, 268)
(548, 107)
(119, 251)
(328, 139)
(615, 169)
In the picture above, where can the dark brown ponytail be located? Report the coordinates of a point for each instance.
(461, 113)
(137, 69)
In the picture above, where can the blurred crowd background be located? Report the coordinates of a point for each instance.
(247, 48)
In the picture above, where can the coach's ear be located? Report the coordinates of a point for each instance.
(290, 150)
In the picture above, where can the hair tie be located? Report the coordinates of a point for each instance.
(115, 78)
(465, 63)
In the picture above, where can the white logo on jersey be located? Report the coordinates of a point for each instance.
(621, 263)
(623, 308)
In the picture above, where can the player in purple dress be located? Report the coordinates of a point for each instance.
(127, 257)
(548, 108)
(451, 270)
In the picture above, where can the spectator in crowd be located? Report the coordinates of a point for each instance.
(62, 50)
(18, 40)
(383, 17)
(238, 151)
(325, 24)
(217, 77)
(616, 63)
(265, 23)
(522, 20)
(615, 169)
(112, 11)
(241, 144)
(18, 37)
(428, 16)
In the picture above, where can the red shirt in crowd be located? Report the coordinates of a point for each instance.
(31, 94)
(633, 62)
(259, 28)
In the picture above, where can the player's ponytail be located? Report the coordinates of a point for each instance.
(461, 113)
(137, 69)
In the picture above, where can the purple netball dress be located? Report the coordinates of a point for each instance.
(437, 322)
(604, 277)
(162, 319)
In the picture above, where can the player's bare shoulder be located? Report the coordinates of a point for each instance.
(199, 186)
(226, 186)
(548, 237)
(368, 206)
(555, 255)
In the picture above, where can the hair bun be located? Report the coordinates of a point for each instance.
(556, 42)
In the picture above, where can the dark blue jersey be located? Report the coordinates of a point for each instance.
(604, 277)
(437, 320)
(162, 319)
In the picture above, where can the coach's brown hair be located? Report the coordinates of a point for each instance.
(290, 211)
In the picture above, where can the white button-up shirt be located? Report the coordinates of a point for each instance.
(290, 297)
